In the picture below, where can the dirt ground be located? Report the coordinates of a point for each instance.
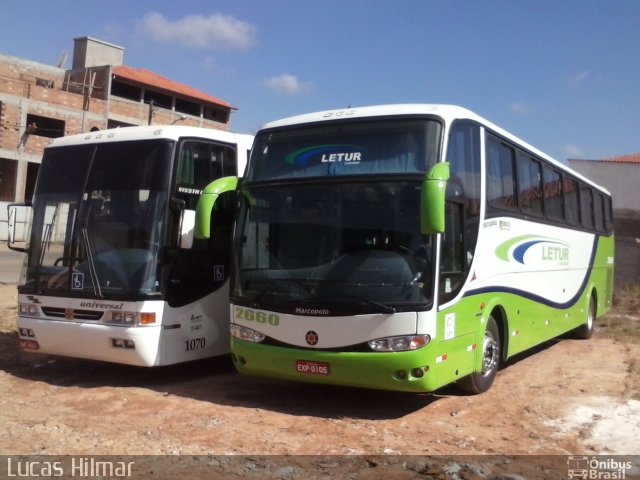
(569, 397)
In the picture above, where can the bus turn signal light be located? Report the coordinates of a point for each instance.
(147, 318)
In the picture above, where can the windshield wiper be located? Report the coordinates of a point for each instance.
(272, 287)
(92, 267)
(381, 307)
(256, 300)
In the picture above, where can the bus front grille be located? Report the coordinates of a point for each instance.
(72, 314)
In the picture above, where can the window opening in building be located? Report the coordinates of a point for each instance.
(45, 126)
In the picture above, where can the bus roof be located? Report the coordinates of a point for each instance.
(173, 132)
(448, 113)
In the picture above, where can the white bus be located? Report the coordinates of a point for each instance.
(406, 247)
(112, 271)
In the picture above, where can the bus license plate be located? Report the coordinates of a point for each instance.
(309, 367)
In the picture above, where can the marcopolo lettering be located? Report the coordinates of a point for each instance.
(312, 311)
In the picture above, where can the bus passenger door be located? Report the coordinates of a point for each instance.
(203, 268)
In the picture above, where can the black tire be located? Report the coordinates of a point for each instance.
(585, 331)
(480, 382)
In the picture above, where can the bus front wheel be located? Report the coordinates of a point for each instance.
(479, 382)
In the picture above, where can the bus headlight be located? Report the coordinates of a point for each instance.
(27, 309)
(399, 344)
(127, 318)
(133, 318)
(248, 334)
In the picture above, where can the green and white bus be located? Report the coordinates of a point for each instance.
(406, 247)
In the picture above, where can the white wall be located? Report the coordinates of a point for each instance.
(621, 179)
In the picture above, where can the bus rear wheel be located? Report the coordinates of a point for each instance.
(585, 331)
(479, 382)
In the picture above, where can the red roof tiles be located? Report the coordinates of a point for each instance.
(146, 77)
(631, 158)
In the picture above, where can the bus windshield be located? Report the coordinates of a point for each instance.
(99, 219)
(373, 147)
(309, 233)
(333, 246)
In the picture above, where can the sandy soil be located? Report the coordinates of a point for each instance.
(568, 397)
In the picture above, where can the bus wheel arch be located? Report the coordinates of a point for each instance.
(491, 352)
(500, 316)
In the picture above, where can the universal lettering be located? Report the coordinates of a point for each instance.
(104, 306)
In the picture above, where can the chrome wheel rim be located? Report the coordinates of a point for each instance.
(590, 316)
(489, 353)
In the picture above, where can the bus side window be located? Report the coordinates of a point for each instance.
(199, 164)
(500, 176)
(452, 253)
(608, 215)
(598, 211)
(553, 204)
(586, 206)
(462, 210)
(571, 204)
(529, 185)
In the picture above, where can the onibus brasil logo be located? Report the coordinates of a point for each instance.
(599, 468)
(533, 250)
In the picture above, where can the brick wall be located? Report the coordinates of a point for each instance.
(62, 97)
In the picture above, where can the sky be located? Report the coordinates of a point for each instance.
(562, 75)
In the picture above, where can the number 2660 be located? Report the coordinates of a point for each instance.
(257, 316)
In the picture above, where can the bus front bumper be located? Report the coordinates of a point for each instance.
(125, 345)
(398, 371)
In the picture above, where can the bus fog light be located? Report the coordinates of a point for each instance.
(417, 373)
(29, 344)
(129, 343)
(238, 359)
(400, 343)
(244, 333)
(26, 332)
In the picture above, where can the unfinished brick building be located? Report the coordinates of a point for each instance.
(39, 102)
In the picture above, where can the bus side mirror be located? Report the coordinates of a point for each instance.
(206, 204)
(432, 199)
(17, 222)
